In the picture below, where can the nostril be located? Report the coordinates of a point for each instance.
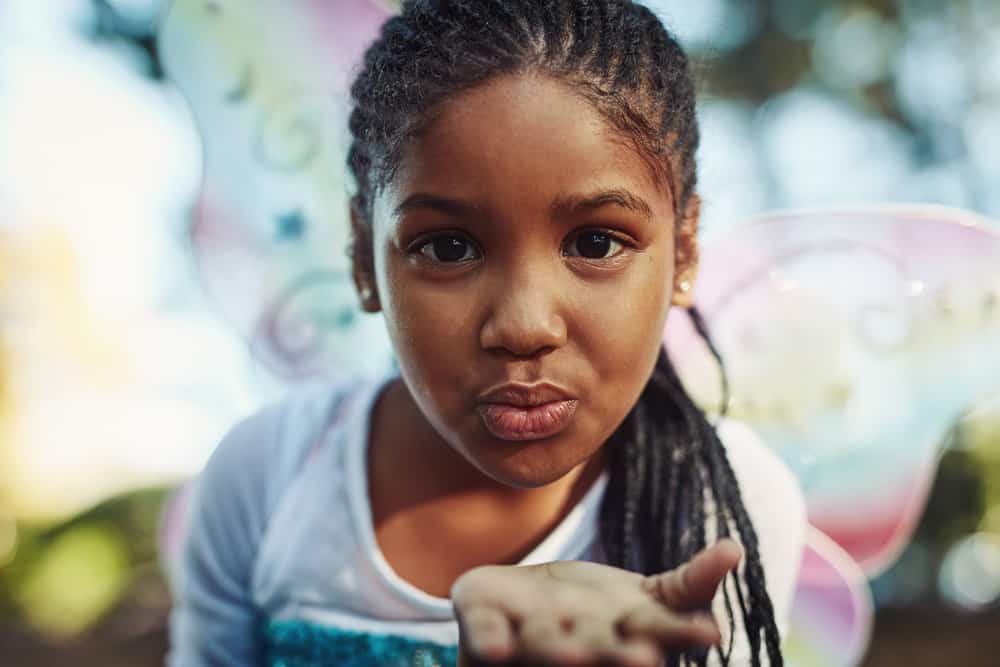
(523, 338)
(507, 352)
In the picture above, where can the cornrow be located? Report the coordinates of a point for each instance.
(669, 474)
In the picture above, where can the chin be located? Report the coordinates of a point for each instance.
(519, 480)
(524, 465)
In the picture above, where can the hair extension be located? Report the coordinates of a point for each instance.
(669, 471)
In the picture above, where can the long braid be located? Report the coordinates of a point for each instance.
(667, 464)
(759, 618)
(637, 452)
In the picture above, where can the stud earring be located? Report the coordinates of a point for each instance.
(366, 293)
(685, 286)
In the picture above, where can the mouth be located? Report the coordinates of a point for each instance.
(522, 412)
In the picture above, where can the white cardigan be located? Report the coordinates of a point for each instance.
(280, 529)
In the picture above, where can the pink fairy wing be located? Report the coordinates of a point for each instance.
(171, 532)
(267, 82)
(853, 339)
(832, 612)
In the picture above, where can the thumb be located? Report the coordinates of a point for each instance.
(692, 586)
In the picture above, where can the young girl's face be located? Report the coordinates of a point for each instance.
(524, 261)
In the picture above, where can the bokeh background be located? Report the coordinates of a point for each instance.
(118, 374)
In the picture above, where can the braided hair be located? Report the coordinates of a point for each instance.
(669, 474)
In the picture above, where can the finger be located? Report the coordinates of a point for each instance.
(595, 635)
(670, 630)
(635, 652)
(693, 585)
(486, 633)
(604, 645)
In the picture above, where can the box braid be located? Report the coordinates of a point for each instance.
(669, 472)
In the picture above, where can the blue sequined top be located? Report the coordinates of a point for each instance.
(298, 644)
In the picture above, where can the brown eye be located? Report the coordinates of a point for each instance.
(449, 250)
(593, 244)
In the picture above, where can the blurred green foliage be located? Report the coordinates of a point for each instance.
(64, 578)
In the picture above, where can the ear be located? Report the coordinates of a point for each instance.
(362, 259)
(686, 254)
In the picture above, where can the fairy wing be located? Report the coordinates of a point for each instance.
(853, 339)
(832, 611)
(267, 83)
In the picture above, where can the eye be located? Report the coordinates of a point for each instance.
(448, 249)
(593, 244)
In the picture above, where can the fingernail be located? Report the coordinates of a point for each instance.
(683, 572)
(739, 547)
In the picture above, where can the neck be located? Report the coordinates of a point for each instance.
(414, 473)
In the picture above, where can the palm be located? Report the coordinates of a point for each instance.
(579, 613)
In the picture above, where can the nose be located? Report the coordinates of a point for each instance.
(524, 318)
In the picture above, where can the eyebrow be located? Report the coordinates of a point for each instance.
(419, 200)
(568, 206)
(562, 207)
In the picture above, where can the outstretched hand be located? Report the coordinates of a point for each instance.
(579, 613)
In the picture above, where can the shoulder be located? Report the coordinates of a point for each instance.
(274, 439)
(770, 491)
(774, 500)
(215, 618)
(275, 433)
(759, 470)
(262, 451)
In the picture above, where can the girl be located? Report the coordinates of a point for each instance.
(525, 215)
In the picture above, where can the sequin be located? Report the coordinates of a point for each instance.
(299, 644)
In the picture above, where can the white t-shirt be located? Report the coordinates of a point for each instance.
(280, 565)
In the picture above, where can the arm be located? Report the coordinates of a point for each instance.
(214, 621)
(774, 500)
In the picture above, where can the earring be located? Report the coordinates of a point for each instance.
(685, 286)
(366, 294)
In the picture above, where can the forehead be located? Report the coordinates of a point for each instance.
(524, 139)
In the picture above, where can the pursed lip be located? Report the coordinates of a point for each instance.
(524, 395)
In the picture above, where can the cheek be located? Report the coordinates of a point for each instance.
(622, 322)
(432, 332)
(620, 332)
